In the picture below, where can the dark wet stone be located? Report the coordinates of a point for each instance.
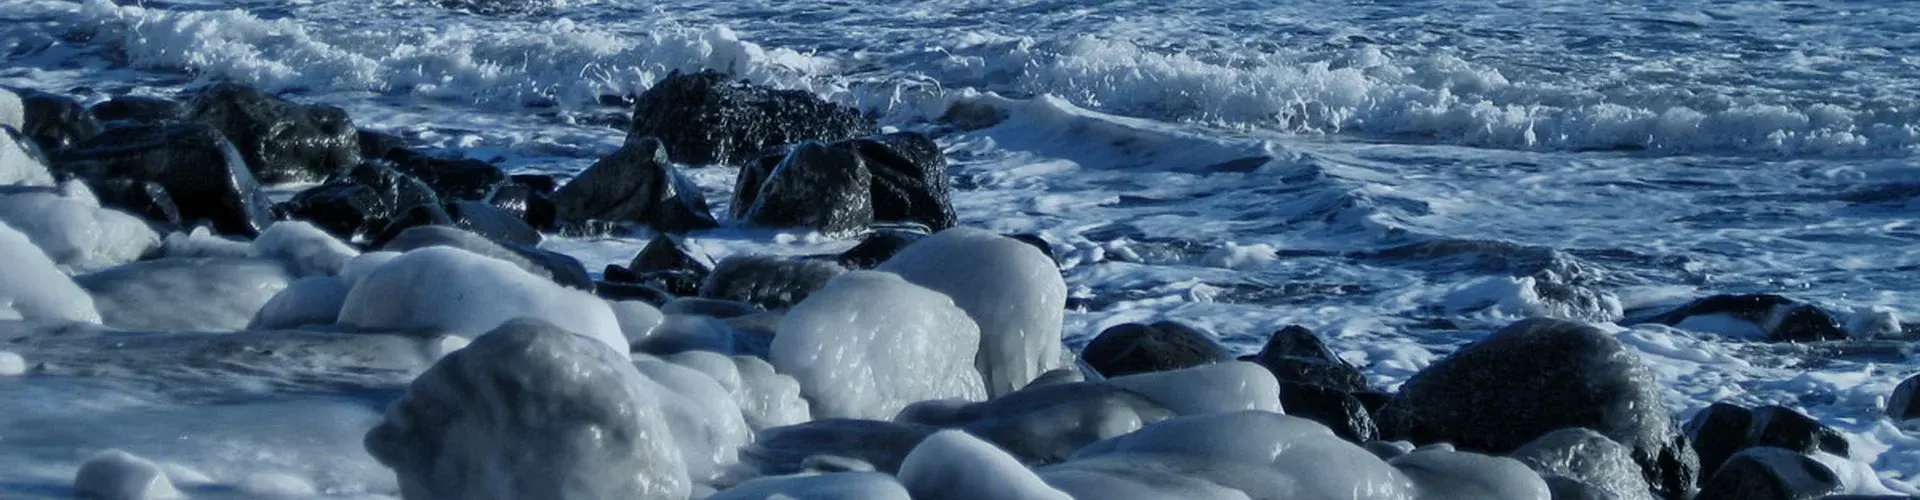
(637, 183)
(876, 248)
(281, 141)
(815, 186)
(1783, 319)
(1902, 405)
(768, 282)
(138, 110)
(539, 183)
(708, 118)
(1718, 431)
(149, 200)
(1295, 354)
(452, 179)
(1782, 427)
(55, 121)
(27, 145)
(909, 180)
(1028, 422)
(526, 203)
(723, 309)
(1537, 376)
(1770, 473)
(1586, 456)
(1338, 410)
(1133, 348)
(361, 202)
(631, 291)
(492, 222)
(200, 170)
(425, 214)
(376, 145)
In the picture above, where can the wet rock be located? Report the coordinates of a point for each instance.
(526, 203)
(1770, 473)
(200, 170)
(1902, 405)
(425, 214)
(1537, 376)
(668, 264)
(1295, 355)
(55, 121)
(1161, 346)
(1044, 423)
(452, 179)
(636, 183)
(280, 140)
(630, 291)
(146, 199)
(814, 186)
(1724, 429)
(707, 118)
(1718, 431)
(768, 282)
(361, 203)
(876, 248)
(909, 179)
(1778, 318)
(492, 222)
(1338, 410)
(133, 109)
(539, 183)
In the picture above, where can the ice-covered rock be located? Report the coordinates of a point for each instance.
(118, 475)
(12, 364)
(305, 249)
(637, 319)
(835, 486)
(1902, 405)
(208, 294)
(449, 290)
(952, 465)
(16, 166)
(705, 420)
(1132, 348)
(1451, 475)
(1216, 388)
(708, 117)
(280, 140)
(559, 268)
(202, 243)
(1249, 454)
(870, 343)
(1014, 292)
(678, 333)
(33, 289)
(766, 399)
(277, 485)
(1535, 377)
(146, 199)
(532, 411)
(880, 445)
(1586, 456)
(1044, 423)
(306, 301)
(769, 282)
(71, 227)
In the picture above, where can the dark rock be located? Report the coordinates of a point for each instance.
(666, 263)
(492, 222)
(1718, 431)
(1537, 376)
(1770, 473)
(422, 215)
(1783, 319)
(452, 179)
(1566, 488)
(132, 109)
(561, 268)
(280, 140)
(782, 450)
(1029, 422)
(706, 118)
(876, 248)
(1902, 405)
(768, 282)
(27, 145)
(1338, 410)
(722, 309)
(1037, 242)
(1295, 355)
(909, 179)
(375, 145)
(55, 121)
(146, 199)
(360, 203)
(815, 186)
(1133, 348)
(527, 204)
(629, 291)
(539, 183)
(636, 183)
(200, 170)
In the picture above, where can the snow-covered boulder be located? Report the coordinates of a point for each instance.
(870, 343)
(1580, 454)
(1216, 388)
(32, 288)
(1011, 289)
(705, 419)
(213, 294)
(306, 301)
(449, 290)
(957, 466)
(71, 227)
(118, 475)
(306, 249)
(1229, 455)
(532, 411)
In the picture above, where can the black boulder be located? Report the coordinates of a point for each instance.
(280, 140)
(708, 118)
(200, 170)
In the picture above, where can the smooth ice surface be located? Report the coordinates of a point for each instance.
(306, 249)
(1215, 388)
(1011, 289)
(118, 475)
(202, 294)
(16, 167)
(201, 242)
(532, 411)
(306, 301)
(1447, 474)
(1582, 454)
(705, 420)
(449, 290)
(32, 288)
(75, 231)
(1263, 454)
(637, 319)
(765, 398)
(870, 343)
(952, 465)
(836, 486)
